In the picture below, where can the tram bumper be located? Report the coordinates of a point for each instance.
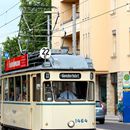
(69, 116)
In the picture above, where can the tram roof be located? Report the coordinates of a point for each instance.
(59, 62)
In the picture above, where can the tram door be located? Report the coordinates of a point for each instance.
(36, 96)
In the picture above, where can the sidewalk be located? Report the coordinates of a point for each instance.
(114, 119)
(111, 118)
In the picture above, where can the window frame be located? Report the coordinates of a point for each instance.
(93, 92)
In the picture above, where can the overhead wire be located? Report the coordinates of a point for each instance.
(9, 9)
(9, 21)
(91, 18)
(72, 24)
(37, 25)
(9, 33)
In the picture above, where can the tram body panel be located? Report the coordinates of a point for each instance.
(59, 115)
(17, 115)
(36, 117)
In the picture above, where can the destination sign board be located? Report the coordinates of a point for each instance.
(69, 75)
(16, 63)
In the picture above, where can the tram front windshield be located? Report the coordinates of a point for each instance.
(71, 91)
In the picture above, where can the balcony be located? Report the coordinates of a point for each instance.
(70, 19)
(69, 1)
(67, 25)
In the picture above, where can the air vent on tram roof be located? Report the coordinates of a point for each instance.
(34, 59)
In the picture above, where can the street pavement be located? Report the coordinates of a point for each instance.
(113, 126)
(112, 123)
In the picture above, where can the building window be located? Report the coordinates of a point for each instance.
(128, 6)
(113, 7)
(114, 43)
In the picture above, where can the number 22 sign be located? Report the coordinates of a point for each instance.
(45, 53)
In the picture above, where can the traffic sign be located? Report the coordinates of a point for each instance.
(6, 54)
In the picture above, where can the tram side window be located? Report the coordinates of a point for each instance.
(18, 93)
(28, 87)
(11, 89)
(91, 93)
(0, 89)
(36, 87)
(6, 90)
(0, 94)
(47, 91)
(24, 88)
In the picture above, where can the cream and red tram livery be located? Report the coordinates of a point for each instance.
(31, 90)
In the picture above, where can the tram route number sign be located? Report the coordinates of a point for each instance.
(45, 53)
(70, 75)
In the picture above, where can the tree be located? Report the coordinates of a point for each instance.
(33, 23)
(11, 46)
(30, 27)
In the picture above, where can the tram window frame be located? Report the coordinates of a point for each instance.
(6, 89)
(0, 94)
(0, 89)
(47, 91)
(92, 90)
(11, 89)
(75, 86)
(18, 95)
(36, 87)
(28, 87)
(56, 87)
(22, 94)
(24, 87)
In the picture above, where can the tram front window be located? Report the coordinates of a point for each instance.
(72, 91)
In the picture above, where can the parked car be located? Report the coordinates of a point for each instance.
(100, 112)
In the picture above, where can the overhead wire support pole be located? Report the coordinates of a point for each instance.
(48, 31)
(74, 29)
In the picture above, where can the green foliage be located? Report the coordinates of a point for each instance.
(33, 25)
(11, 46)
(30, 27)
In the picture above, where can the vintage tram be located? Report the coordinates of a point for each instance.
(31, 87)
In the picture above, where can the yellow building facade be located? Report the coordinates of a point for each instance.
(102, 34)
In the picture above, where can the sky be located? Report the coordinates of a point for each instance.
(6, 16)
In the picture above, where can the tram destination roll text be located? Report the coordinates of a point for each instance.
(70, 75)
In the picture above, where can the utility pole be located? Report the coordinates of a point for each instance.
(48, 32)
(74, 29)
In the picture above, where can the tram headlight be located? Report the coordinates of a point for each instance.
(71, 124)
